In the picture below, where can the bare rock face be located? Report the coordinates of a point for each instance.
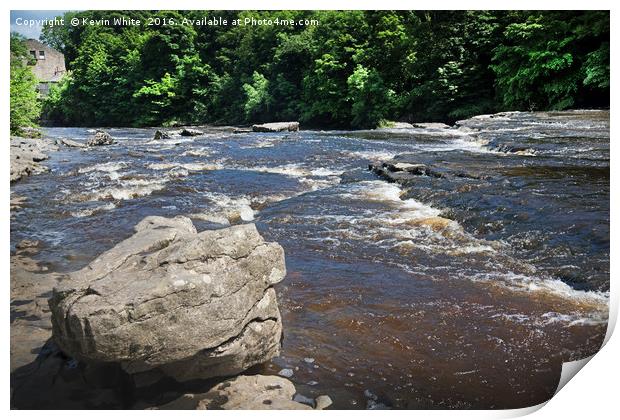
(100, 138)
(191, 305)
(275, 127)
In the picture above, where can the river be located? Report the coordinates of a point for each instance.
(379, 309)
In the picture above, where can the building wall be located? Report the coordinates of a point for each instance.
(50, 65)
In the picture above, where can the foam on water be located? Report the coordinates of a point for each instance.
(92, 210)
(545, 285)
(229, 207)
(196, 166)
(371, 155)
(104, 167)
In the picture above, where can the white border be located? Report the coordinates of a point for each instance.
(591, 395)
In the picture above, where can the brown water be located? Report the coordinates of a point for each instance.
(477, 313)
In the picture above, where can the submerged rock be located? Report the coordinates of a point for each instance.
(436, 223)
(100, 138)
(192, 305)
(275, 127)
(256, 392)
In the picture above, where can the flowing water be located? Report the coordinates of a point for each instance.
(380, 308)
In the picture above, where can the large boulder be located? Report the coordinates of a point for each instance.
(275, 127)
(184, 304)
(100, 138)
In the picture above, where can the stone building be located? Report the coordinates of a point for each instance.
(49, 67)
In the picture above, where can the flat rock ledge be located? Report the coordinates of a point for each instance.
(173, 301)
(404, 169)
(26, 155)
(256, 392)
(276, 127)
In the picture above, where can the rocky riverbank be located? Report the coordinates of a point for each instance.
(168, 304)
(27, 155)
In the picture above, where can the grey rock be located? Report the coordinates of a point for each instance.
(193, 305)
(190, 132)
(287, 373)
(322, 402)
(159, 135)
(308, 360)
(434, 126)
(256, 392)
(276, 127)
(27, 244)
(242, 130)
(302, 399)
(26, 155)
(100, 138)
(71, 143)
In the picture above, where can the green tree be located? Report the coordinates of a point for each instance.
(258, 99)
(354, 69)
(371, 100)
(554, 60)
(25, 107)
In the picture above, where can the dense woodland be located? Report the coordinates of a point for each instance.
(354, 69)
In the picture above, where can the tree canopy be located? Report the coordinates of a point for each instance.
(25, 106)
(352, 69)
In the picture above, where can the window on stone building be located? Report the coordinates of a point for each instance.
(33, 53)
(41, 55)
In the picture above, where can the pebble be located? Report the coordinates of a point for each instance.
(308, 360)
(312, 383)
(287, 373)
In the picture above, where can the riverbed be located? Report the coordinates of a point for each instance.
(380, 308)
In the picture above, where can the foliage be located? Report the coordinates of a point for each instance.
(258, 99)
(355, 69)
(547, 61)
(25, 107)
